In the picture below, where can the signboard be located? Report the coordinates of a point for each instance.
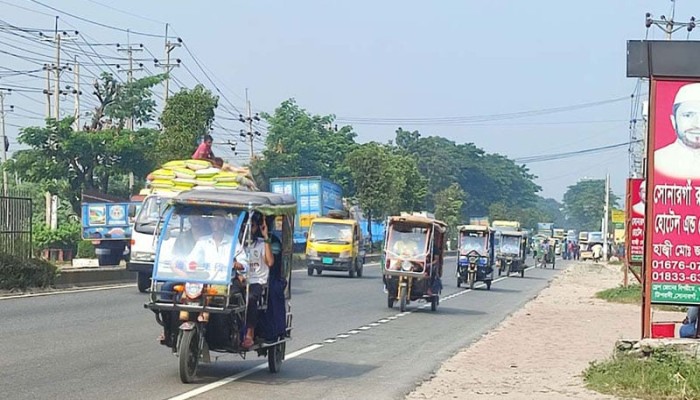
(673, 238)
(637, 196)
(618, 218)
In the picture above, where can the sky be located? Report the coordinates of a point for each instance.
(375, 65)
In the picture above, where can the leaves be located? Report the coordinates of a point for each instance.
(187, 116)
(584, 203)
(448, 206)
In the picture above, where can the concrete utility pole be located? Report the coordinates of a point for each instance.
(56, 39)
(169, 46)
(606, 213)
(248, 119)
(130, 72)
(76, 93)
(47, 91)
(4, 141)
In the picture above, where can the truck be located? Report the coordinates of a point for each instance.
(143, 245)
(545, 229)
(316, 197)
(107, 224)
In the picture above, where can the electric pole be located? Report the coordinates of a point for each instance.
(669, 26)
(56, 39)
(606, 213)
(130, 73)
(4, 142)
(47, 91)
(250, 133)
(169, 46)
(76, 93)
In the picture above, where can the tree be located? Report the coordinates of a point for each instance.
(187, 116)
(584, 203)
(301, 144)
(67, 162)
(448, 207)
(373, 171)
(118, 102)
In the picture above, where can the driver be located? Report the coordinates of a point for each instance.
(406, 247)
(212, 252)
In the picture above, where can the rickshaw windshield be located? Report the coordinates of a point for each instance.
(472, 241)
(198, 244)
(408, 243)
(510, 244)
(325, 232)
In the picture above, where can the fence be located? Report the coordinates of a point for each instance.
(16, 226)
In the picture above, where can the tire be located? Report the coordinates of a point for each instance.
(108, 260)
(360, 267)
(472, 281)
(488, 285)
(319, 271)
(143, 282)
(522, 273)
(499, 271)
(351, 271)
(189, 355)
(433, 303)
(390, 301)
(275, 356)
(310, 271)
(459, 282)
(402, 300)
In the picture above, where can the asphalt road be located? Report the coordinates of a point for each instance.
(346, 342)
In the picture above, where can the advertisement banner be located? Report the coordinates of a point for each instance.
(637, 195)
(674, 193)
(618, 216)
(107, 221)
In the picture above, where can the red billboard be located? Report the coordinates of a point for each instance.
(636, 190)
(673, 248)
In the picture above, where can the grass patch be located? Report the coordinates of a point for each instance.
(665, 375)
(632, 294)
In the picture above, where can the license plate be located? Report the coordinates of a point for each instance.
(327, 260)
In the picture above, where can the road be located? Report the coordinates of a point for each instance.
(346, 342)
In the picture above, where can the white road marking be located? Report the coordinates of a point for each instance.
(243, 374)
(85, 289)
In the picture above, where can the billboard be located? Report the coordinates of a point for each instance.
(636, 194)
(673, 194)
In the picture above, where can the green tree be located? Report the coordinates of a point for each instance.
(584, 203)
(448, 207)
(187, 116)
(66, 162)
(301, 144)
(373, 172)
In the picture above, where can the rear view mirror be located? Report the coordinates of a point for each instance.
(132, 210)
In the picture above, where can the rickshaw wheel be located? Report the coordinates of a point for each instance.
(433, 303)
(390, 301)
(471, 284)
(522, 273)
(488, 285)
(275, 355)
(459, 282)
(402, 301)
(189, 356)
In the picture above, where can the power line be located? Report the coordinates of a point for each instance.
(559, 156)
(456, 120)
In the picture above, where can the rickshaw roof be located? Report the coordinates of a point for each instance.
(418, 220)
(462, 228)
(263, 202)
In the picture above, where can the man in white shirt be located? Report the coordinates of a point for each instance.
(260, 259)
(681, 159)
(213, 252)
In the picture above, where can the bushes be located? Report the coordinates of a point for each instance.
(67, 236)
(21, 274)
(86, 250)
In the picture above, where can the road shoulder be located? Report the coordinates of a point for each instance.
(540, 351)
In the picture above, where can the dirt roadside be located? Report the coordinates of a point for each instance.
(540, 351)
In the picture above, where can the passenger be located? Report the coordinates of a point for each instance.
(690, 323)
(260, 258)
(204, 151)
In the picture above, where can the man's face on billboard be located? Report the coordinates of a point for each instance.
(687, 122)
(643, 192)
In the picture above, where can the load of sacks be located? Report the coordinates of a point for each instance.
(180, 175)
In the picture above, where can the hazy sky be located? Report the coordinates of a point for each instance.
(378, 60)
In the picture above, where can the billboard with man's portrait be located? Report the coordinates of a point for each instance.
(636, 191)
(673, 193)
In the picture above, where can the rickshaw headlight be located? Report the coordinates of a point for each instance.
(406, 266)
(193, 290)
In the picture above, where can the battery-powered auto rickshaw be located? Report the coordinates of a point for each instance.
(476, 255)
(413, 257)
(511, 253)
(211, 289)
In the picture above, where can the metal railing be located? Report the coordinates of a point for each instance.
(16, 226)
